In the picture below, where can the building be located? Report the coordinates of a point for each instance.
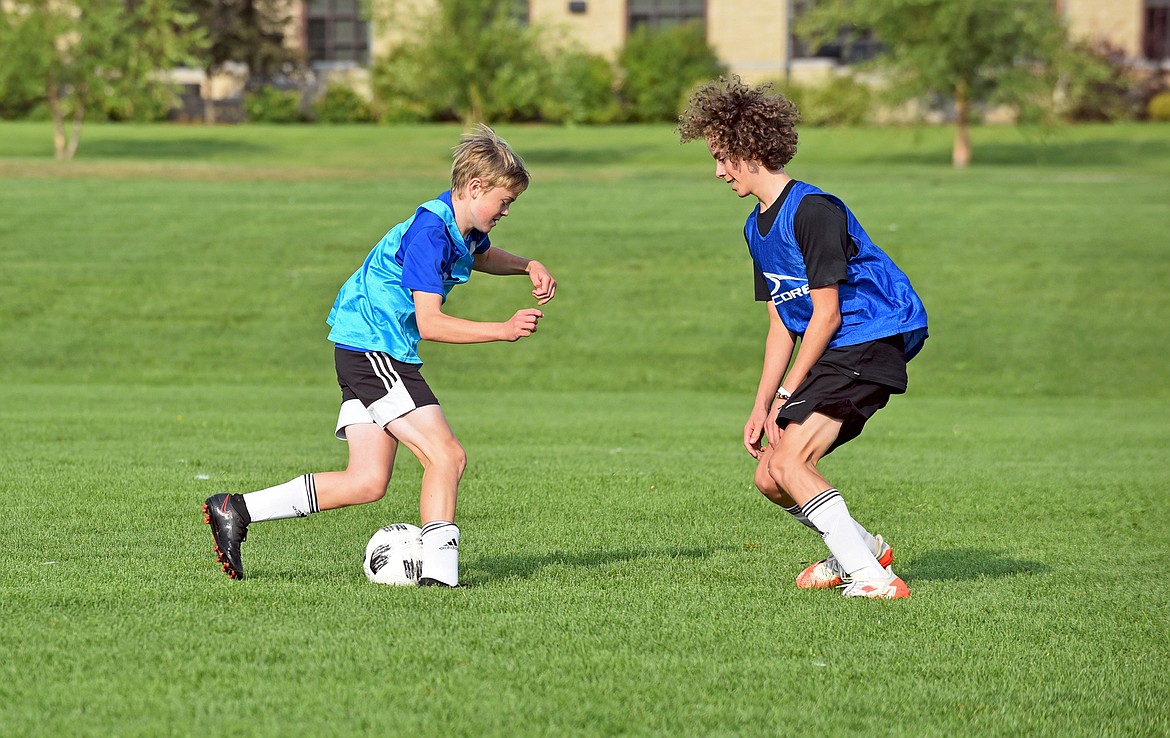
(753, 37)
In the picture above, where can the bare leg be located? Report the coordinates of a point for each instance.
(371, 461)
(793, 467)
(428, 436)
(767, 485)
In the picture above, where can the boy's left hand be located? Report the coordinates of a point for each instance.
(772, 429)
(544, 286)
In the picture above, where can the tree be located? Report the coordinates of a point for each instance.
(250, 32)
(81, 56)
(1001, 52)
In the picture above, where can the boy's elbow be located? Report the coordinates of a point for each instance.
(426, 331)
(427, 327)
(830, 324)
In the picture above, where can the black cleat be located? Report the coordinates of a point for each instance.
(432, 582)
(228, 517)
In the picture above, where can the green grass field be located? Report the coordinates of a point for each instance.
(162, 305)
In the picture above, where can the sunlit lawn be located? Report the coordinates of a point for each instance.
(163, 300)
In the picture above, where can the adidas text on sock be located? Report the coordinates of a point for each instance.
(440, 539)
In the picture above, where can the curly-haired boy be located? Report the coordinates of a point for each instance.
(857, 319)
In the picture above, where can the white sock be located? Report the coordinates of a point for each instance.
(440, 541)
(295, 498)
(870, 542)
(797, 512)
(828, 513)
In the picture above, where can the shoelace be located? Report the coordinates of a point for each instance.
(835, 570)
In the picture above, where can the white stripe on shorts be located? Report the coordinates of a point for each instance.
(382, 370)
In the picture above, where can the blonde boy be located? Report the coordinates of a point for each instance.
(394, 300)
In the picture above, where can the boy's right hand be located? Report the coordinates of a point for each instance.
(522, 324)
(753, 433)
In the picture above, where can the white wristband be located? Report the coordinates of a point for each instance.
(783, 394)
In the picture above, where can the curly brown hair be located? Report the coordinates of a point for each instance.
(742, 123)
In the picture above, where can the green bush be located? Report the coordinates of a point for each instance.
(150, 105)
(659, 67)
(582, 90)
(402, 88)
(557, 86)
(522, 79)
(20, 97)
(1159, 107)
(467, 60)
(341, 104)
(22, 93)
(270, 105)
(1099, 85)
(842, 101)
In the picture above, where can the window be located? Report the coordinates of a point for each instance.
(661, 13)
(337, 32)
(1156, 31)
(851, 46)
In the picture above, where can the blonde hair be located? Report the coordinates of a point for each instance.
(481, 153)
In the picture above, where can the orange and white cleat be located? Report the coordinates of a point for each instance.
(827, 573)
(892, 588)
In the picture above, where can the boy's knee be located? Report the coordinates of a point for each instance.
(766, 484)
(458, 457)
(779, 469)
(366, 495)
(365, 490)
(450, 455)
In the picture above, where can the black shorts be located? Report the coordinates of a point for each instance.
(377, 388)
(829, 392)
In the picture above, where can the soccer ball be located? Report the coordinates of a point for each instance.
(394, 555)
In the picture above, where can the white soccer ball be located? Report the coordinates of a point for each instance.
(394, 555)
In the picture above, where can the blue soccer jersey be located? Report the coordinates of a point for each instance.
(374, 310)
(876, 298)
